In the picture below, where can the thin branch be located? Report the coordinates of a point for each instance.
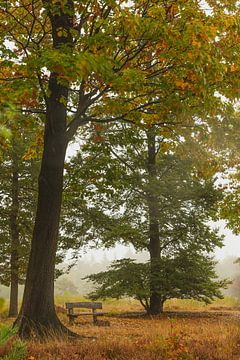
(122, 160)
(33, 111)
(78, 121)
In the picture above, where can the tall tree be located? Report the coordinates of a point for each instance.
(18, 180)
(144, 193)
(105, 61)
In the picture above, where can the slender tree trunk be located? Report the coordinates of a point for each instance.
(13, 305)
(154, 236)
(38, 314)
(14, 230)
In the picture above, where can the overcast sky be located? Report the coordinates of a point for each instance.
(232, 243)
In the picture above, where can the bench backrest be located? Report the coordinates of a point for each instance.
(86, 305)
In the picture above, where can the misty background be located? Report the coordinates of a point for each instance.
(96, 260)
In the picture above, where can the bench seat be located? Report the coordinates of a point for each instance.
(83, 305)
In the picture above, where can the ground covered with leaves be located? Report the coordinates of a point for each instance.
(188, 331)
(212, 338)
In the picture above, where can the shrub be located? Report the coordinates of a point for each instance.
(11, 348)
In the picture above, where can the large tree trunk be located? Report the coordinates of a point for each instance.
(156, 306)
(38, 314)
(14, 230)
(38, 311)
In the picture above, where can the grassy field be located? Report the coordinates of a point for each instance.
(188, 330)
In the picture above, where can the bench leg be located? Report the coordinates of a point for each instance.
(94, 317)
(71, 318)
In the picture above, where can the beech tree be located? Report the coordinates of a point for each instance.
(145, 192)
(77, 62)
(190, 275)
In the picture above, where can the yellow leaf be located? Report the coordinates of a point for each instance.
(29, 154)
(233, 68)
(195, 42)
(182, 84)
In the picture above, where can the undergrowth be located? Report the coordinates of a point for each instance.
(11, 347)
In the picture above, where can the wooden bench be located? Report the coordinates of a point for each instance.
(83, 305)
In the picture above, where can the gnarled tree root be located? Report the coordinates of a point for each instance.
(30, 329)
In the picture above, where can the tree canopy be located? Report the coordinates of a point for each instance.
(69, 63)
(138, 188)
(188, 275)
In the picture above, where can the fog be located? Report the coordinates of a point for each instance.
(92, 261)
(231, 243)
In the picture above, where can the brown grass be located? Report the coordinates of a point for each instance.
(204, 337)
(189, 330)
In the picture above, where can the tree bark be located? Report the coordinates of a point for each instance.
(13, 305)
(154, 235)
(38, 311)
(38, 314)
(14, 230)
